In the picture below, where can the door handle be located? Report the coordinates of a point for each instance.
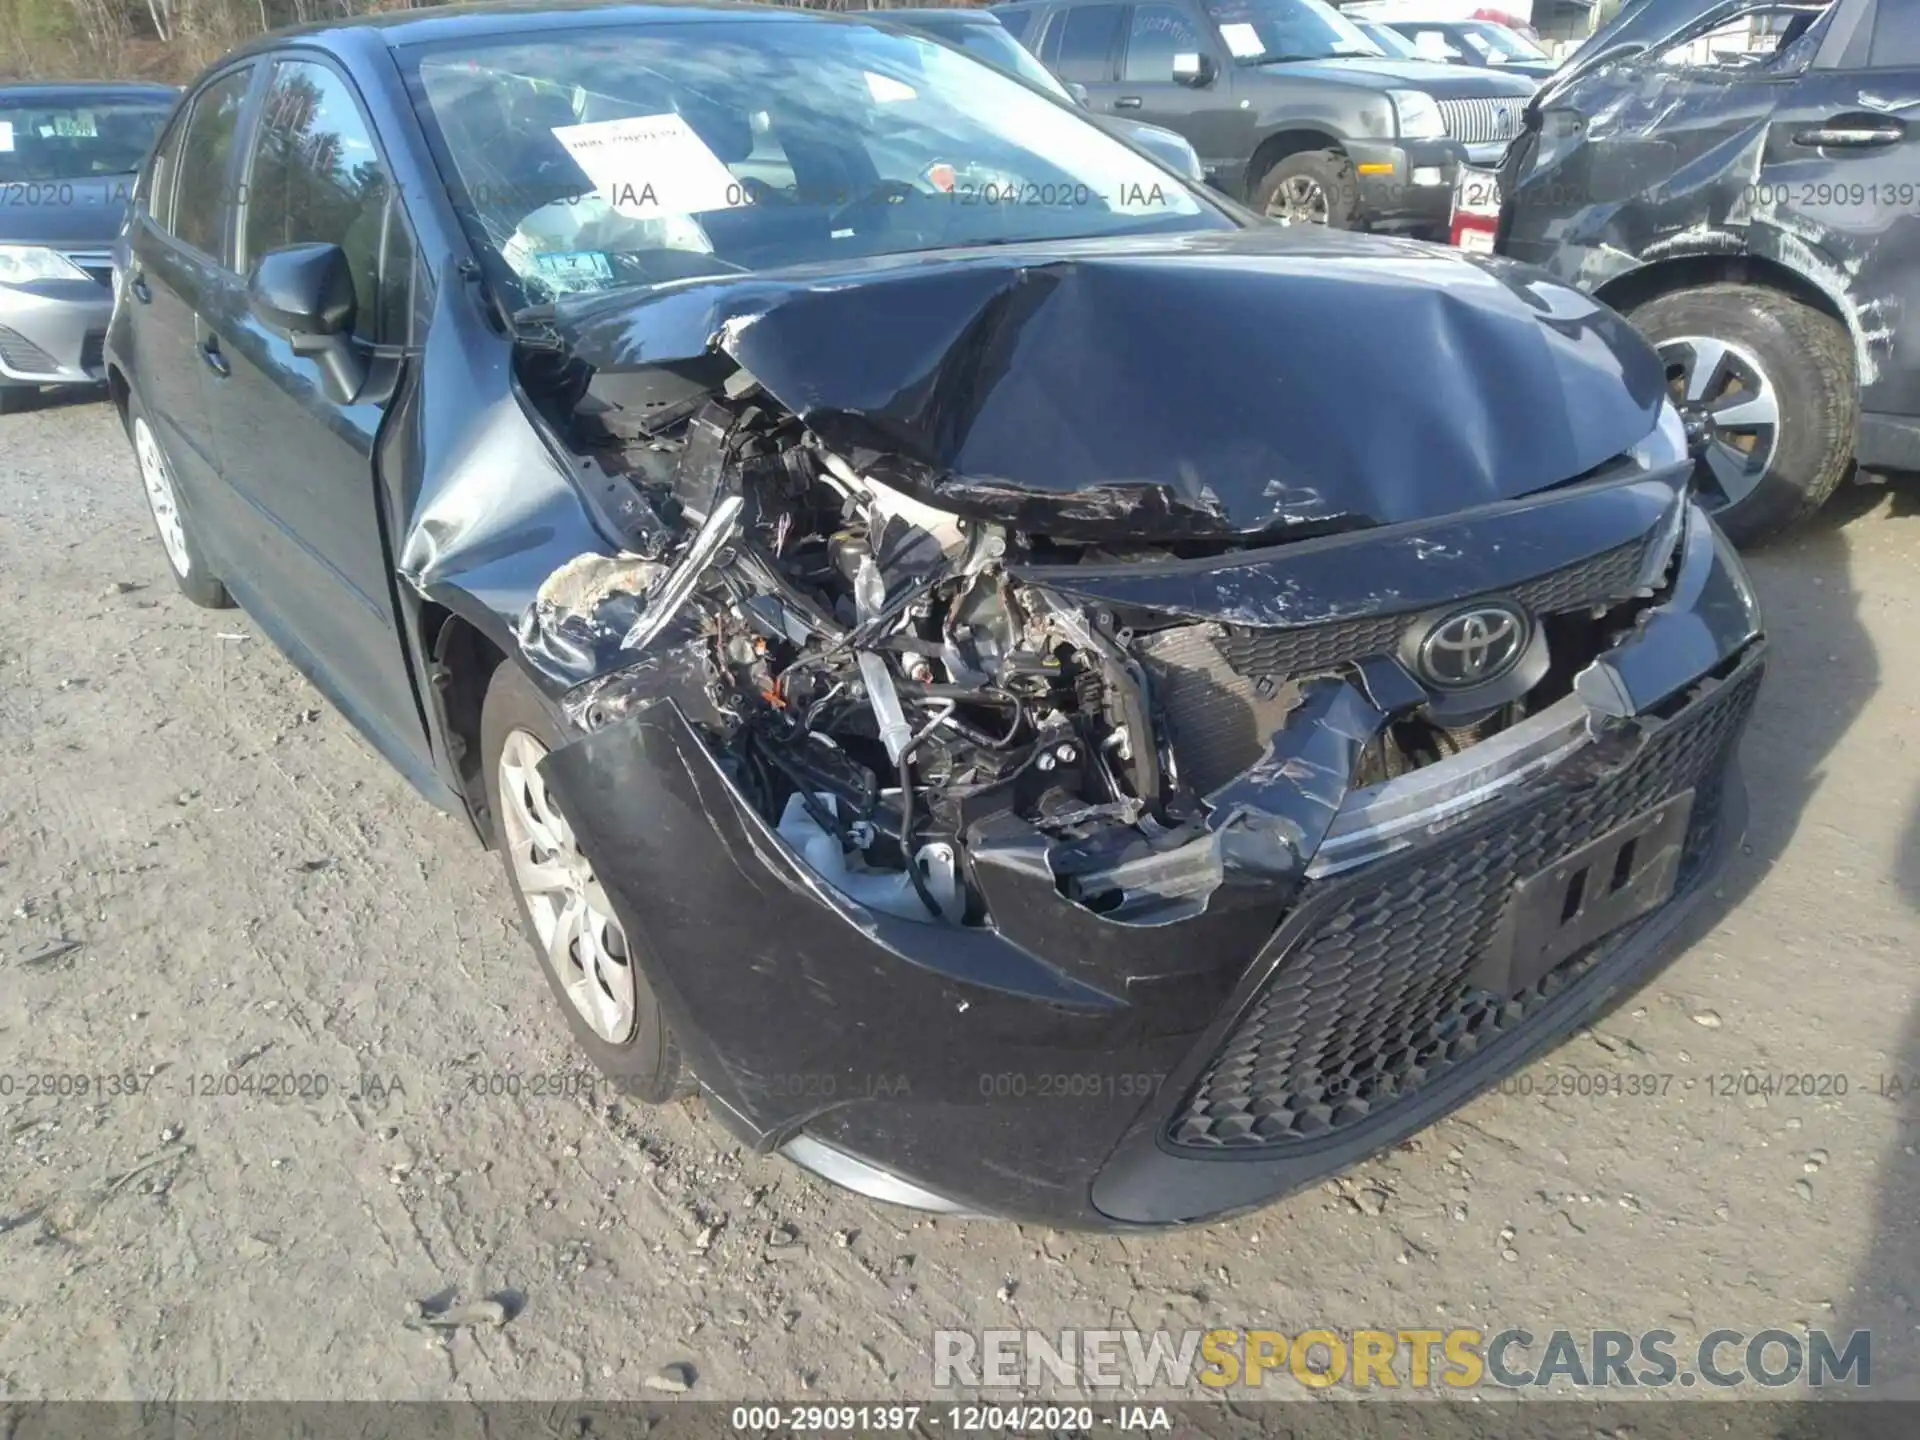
(1851, 133)
(138, 287)
(1127, 102)
(216, 362)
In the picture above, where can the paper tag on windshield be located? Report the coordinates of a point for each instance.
(573, 269)
(885, 88)
(651, 165)
(6, 135)
(1243, 41)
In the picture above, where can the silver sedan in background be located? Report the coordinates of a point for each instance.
(68, 156)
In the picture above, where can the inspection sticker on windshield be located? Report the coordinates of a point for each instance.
(571, 269)
(6, 136)
(651, 165)
(1243, 40)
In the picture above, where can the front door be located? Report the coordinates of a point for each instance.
(305, 459)
(1220, 133)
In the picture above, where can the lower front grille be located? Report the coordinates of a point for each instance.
(1476, 122)
(22, 355)
(93, 351)
(1373, 1002)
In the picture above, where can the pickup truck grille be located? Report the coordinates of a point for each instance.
(1475, 122)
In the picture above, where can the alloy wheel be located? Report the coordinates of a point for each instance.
(1731, 411)
(571, 916)
(158, 480)
(1299, 200)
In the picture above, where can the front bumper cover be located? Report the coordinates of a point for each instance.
(52, 332)
(1041, 1069)
(1406, 188)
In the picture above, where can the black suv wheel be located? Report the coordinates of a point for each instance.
(1767, 388)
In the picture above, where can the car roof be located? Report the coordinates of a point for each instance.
(131, 89)
(939, 14)
(400, 28)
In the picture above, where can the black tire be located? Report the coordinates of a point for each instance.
(1327, 171)
(646, 1064)
(1807, 358)
(186, 560)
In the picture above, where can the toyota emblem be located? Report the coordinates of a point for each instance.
(1473, 646)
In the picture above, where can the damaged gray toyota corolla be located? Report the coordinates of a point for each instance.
(1104, 729)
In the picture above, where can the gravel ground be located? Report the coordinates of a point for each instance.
(205, 874)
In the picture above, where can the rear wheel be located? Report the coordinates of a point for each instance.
(1766, 386)
(184, 556)
(582, 946)
(1313, 187)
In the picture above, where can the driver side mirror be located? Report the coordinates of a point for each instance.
(305, 292)
(1193, 68)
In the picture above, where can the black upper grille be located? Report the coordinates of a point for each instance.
(1307, 650)
(23, 355)
(1373, 1001)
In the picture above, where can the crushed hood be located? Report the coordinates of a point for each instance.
(1246, 384)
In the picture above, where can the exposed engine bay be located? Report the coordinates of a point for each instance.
(918, 716)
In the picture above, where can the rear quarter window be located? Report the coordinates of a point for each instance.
(1089, 34)
(154, 194)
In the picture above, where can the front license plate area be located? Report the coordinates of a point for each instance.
(1585, 896)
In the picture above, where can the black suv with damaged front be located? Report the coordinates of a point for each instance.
(1742, 178)
(978, 682)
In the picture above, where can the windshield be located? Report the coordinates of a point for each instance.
(1492, 40)
(643, 154)
(1390, 41)
(1262, 31)
(994, 45)
(72, 136)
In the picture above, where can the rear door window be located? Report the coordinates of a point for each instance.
(316, 177)
(200, 198)
(1089, 34)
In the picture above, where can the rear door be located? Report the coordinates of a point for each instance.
(315, 173)
(1842, 175)
(174, 250)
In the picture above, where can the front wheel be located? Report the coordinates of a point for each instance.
(1766, 386)
(1313, 187)
(583, 949)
